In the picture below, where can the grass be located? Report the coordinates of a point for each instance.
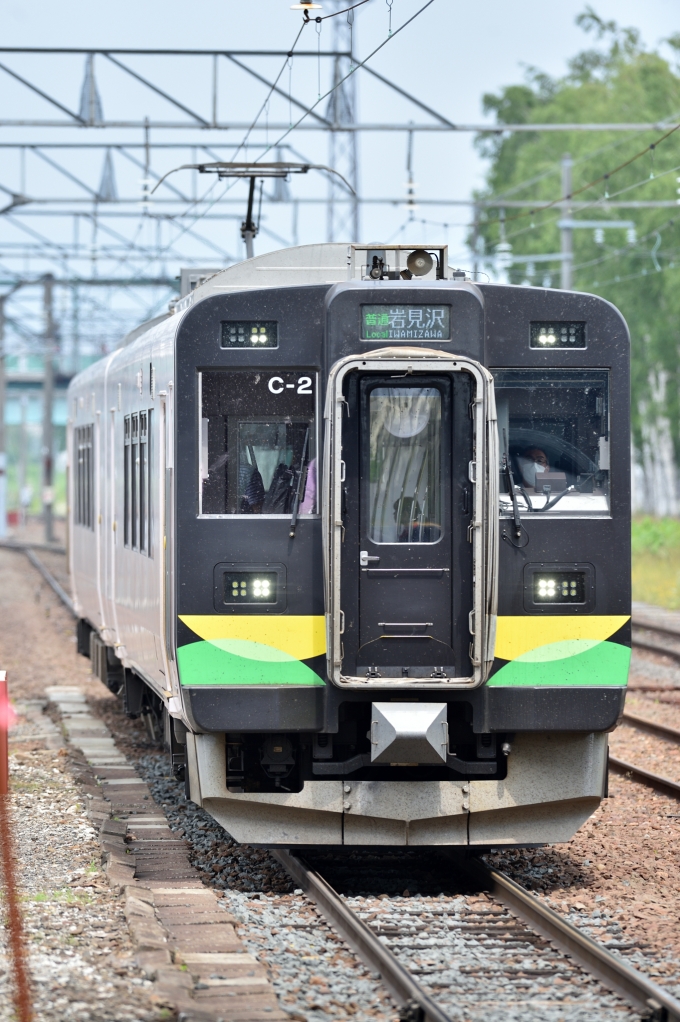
(62, 895)
(655, 546)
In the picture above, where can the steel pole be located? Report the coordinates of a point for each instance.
(566, 233)
(48, 401)
(3, 452)
(248, 228)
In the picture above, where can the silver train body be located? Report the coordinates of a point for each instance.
(476, 710)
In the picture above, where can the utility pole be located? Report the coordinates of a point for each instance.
(3, 452)
(566, 233)
(475, 243)
(48, 401)
(343, 215)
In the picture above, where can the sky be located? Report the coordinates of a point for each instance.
(448, 57)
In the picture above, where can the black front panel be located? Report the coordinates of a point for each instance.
(246, 428)
(241, 473)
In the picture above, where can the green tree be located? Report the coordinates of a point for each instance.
(618, 81)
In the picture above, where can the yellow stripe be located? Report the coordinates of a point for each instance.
(517, 635)
(301, 636)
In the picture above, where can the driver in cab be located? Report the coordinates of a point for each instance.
(533, 462)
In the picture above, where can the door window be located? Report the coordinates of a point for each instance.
(405, 498)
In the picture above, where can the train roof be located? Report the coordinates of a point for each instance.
(330, 263)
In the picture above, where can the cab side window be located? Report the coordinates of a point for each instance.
(553, 432)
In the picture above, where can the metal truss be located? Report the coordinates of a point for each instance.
(90, 112)
(75, 200)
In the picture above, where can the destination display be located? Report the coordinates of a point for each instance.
(405, 322)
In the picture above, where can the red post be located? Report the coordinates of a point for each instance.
(4, 727)
(13, 921)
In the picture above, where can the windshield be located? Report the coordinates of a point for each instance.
(553, 431)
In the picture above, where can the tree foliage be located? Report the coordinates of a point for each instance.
(617, 80)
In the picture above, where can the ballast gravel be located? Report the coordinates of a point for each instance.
(478, 962)
(80, 955)
(313, 972)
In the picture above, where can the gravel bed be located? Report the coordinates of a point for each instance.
(654, 707)
(654, 669)
(619, 870)
(37, 638)
(474, 973)
(618, 876)
(315, 975)
(221, 861)
(79, 953)
(660, 755)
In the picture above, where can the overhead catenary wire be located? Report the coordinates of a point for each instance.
(338, 84)
(599, 201)
(598, 180)
(627, 249)
(555, 166)
(353, 71)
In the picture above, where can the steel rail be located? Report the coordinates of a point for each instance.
(400, 983)
(51, 581)
(656, 647)
(24, 548)
(643, 724)
(11, 544)
(594, 957)
(663, 784)
(663, 629)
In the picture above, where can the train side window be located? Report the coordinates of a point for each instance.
(84, 476)
(257, 443)
(143, 480)
(148, 475)
(134, 480)
(137, 482)
(127, 474)
(553, 431)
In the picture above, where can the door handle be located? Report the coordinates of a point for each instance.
(365, 559)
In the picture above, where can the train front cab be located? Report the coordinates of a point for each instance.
(401, 665)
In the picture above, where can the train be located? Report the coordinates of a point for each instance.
(351, 532)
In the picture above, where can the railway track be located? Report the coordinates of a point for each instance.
(510, 922)
(523, 942)
(621, 766)
(656, 631)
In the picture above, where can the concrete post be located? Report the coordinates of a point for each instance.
(566, 233)
(48, 401)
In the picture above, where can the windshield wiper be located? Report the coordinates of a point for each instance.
(510, 482)
(302, 475)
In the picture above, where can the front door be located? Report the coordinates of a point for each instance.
(407, 570)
